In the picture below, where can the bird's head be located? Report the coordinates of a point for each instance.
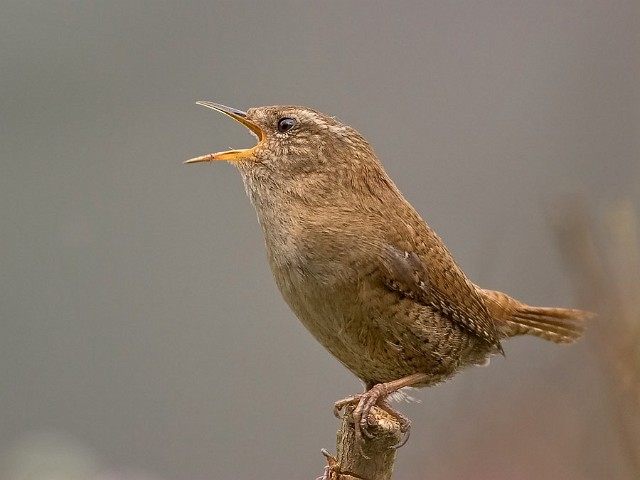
(292, 141)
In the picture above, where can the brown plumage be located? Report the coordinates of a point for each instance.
(361, 269)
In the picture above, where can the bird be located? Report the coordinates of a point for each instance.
(361, 269)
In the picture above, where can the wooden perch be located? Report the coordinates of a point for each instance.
(376, 458)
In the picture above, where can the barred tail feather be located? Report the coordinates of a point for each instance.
(559, 325)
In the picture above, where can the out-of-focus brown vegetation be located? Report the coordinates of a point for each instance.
(603, 254)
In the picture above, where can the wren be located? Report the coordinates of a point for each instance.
(361, 269)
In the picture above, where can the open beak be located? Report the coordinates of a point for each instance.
(230, 155)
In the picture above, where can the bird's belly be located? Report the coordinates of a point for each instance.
(375, 344)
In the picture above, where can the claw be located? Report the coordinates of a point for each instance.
(405, 437)
(340, 404)
(360, 421)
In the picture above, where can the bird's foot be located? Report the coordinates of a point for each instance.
(377, 396)
(363, 403)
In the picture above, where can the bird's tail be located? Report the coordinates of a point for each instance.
(559, 325)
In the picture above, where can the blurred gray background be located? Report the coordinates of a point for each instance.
(141, 334)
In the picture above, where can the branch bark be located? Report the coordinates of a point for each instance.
(375, 460)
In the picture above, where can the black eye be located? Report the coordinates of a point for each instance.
(285, 124)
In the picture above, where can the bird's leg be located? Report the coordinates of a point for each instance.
(376, 395)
